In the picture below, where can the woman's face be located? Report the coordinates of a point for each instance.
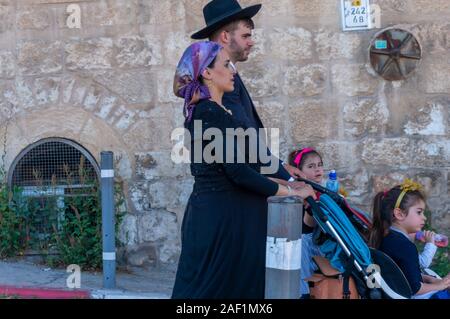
(222, 74)
(313, 168)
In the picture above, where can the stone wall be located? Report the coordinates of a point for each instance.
(108, 86)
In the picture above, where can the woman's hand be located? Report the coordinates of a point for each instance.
(294, 171)
(305, 192)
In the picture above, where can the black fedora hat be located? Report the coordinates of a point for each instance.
(218, 13)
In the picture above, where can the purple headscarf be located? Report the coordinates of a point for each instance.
(192, 64)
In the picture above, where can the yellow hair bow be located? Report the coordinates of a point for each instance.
(408, 185)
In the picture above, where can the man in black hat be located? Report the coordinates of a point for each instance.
(231, 26)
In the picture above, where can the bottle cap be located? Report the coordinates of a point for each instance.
(332, 174)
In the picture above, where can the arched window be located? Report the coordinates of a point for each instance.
(46, 174)
(53, 162)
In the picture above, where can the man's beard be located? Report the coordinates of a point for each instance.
(238, 53)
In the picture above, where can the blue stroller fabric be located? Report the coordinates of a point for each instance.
(346, 231)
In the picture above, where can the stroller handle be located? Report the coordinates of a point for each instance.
(319, 188)
(315, 207)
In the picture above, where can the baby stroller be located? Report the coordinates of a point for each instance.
(375, 274)
(359, 218)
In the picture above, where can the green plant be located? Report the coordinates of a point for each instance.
(79, 239)
(60, 222)
(11, 225)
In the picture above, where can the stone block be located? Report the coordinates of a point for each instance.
(128, 232)
(297, 9)
(74, 90)
(143, 255)
(89, 54)
(332, 45)
(353, 80)
(47, 90)
(24, 90)
(7, 64)
(133, 86)
(356, 183)
(388, 151)
(260, 80)
(157, 226)
(169, 193)
(6, 17)
(291, 44)
(175, 44)
(135, 51)
(123, 118)
(310, 80)
(427, 120)
(433, 37)
(165, 88)
(39, 57)
(106, 106)
(430, 152)
(435, 76)
(303, 129)
(339, 155)
(365, 116)
(110, 13)
(33, 18)
(272, 114)
(386, 181)
(393, 6)
(165, 12)
(150, 135)
(153, 165)
(139, 196)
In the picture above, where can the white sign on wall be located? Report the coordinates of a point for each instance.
(355, 15)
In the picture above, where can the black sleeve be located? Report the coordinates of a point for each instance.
(245, 176)
(232, 100)
(240, 173)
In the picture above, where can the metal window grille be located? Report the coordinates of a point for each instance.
(46, 172)
(54, 162)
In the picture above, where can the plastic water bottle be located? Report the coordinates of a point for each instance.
(439, 239)
(332, 182)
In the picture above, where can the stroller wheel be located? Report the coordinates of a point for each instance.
(375, 294)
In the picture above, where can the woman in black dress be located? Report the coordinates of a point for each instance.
(225, 223)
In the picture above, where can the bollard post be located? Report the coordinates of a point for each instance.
(283, 249)
(108, 220)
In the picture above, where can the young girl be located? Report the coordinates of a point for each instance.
(309, 162)
(397, 213)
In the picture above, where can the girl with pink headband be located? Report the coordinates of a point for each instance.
(310, 163)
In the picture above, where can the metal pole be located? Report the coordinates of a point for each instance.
(283, 252)
(108, 220)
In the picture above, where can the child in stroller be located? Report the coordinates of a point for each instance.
(397, 213)
(310, 163)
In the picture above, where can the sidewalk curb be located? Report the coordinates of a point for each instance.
(122, 294)
(43, 293)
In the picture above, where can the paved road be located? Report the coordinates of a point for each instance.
(150, 282)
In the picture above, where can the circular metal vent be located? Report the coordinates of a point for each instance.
(394, 54)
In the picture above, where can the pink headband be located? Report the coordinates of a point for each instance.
(299, 156)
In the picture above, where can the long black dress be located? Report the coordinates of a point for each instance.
(225, 223)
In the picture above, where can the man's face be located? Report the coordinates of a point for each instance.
(240, 43)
